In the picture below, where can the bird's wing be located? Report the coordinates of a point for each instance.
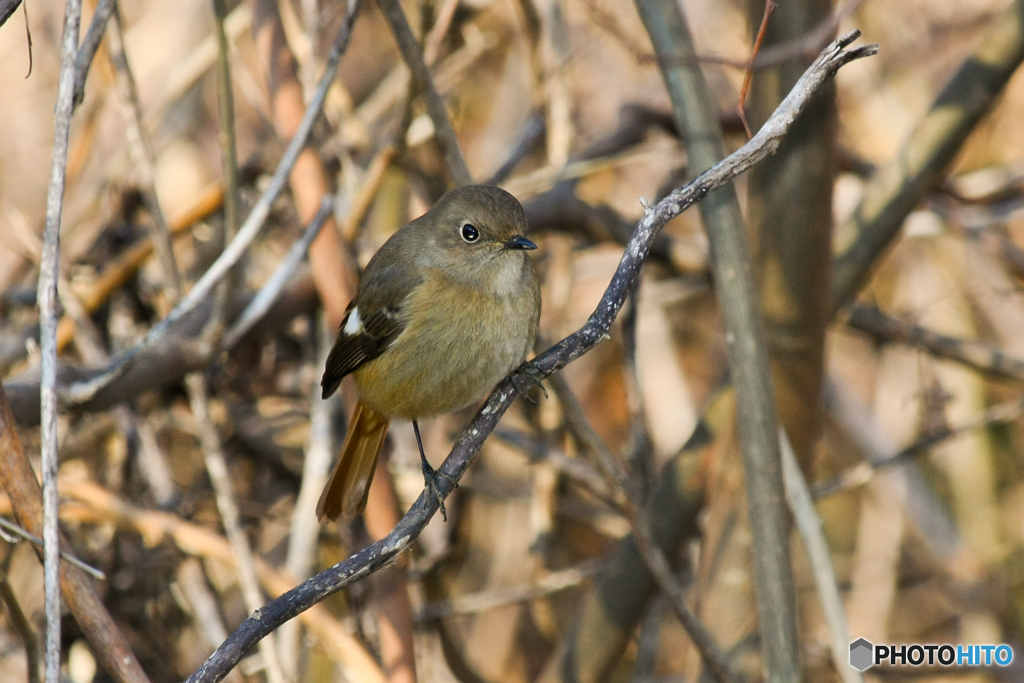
(372, 322)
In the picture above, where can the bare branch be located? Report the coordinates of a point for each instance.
(769, 8)
(164, 364)
(443, 131)
(19, 480)
(49, 274)
(83, 391)
(19, 532)
(660, 569)
(808, 524)
(90, 44)
(1000, 413)
(971, 352)
(285, 270)
(140, 150)
(506, 595)
(900, 185)
(217, 470)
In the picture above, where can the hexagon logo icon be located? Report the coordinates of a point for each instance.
(861, 654)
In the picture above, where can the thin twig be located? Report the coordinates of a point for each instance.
(140, 148)
(577, 470)
(552, 54)
(463, 453)
(443, 131)
(634, 487)
(363, 199)
(229, 164)
(191, 580)
(898, 186)
(129, 262)
(217, 469)
(435, 37)
(808, 524)
(87, 339)
(152, 461)
(640, 455)
(660, 569)
(49, 272)
(83, 391)
(13, 528)
(268, 294)
(28, 38)
(584, 432)
(929, 513)
(806, 46)
(305, 528)
(973, 353)
(26, 496)
(482, 601)
(198, 541)
(90, 44)
(197, 62)
(161, 366)
(529, 138)
(1001, 413)
(769, 7)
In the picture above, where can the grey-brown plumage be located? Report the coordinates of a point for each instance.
(447, 307)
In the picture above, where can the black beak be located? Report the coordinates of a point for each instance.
(520, 242)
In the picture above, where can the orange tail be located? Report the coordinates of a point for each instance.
(347, 489)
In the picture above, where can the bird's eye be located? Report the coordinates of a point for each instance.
(469, 232)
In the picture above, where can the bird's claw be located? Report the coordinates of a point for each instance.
(431, 483)
(526, 377)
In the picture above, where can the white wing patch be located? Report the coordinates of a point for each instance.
(353, 325)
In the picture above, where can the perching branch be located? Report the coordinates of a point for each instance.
(386, 551)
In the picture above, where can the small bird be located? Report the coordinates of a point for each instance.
(445, 309)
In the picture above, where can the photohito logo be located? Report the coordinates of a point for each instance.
(864, 654)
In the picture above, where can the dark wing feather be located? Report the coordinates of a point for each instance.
(350, 351)
(390, 277)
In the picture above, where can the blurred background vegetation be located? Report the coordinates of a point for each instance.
(888, 241)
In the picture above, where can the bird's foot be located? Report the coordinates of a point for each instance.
(525, 378)
(431, 483)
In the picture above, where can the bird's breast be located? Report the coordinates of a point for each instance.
(458, 343)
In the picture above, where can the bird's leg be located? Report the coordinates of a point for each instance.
(430, 475)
